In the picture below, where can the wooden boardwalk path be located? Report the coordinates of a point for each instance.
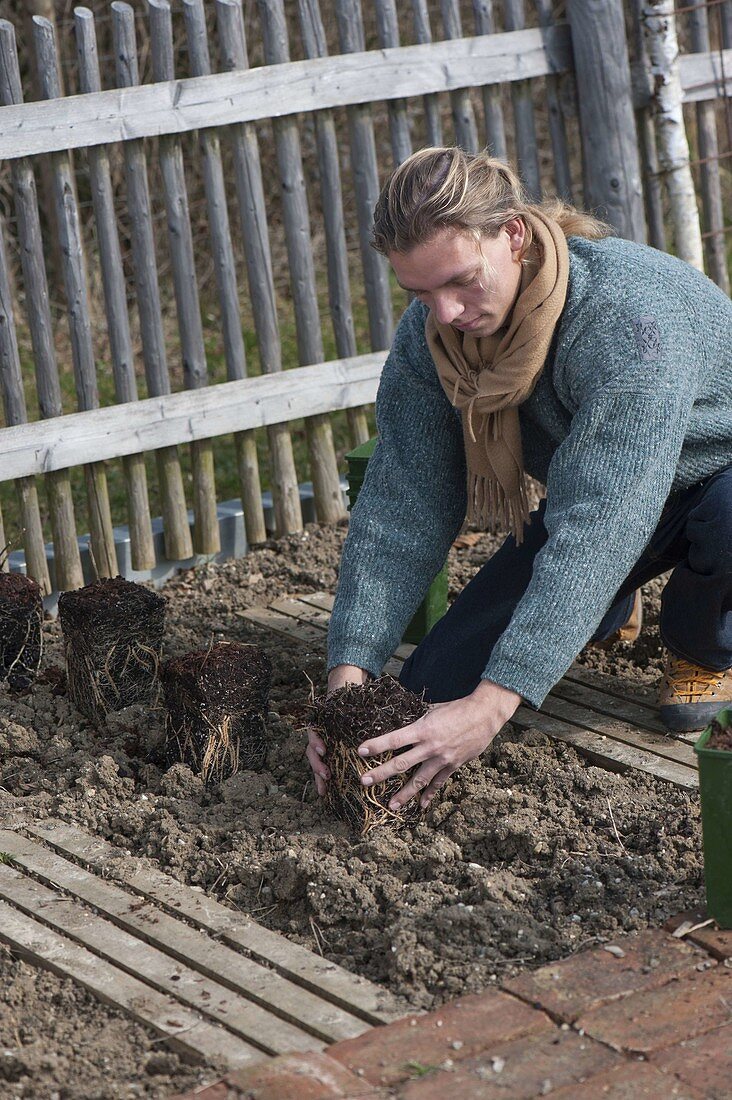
(610, 721)
(211, 981)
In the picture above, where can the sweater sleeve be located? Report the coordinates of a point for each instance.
(606, 487)
(408, 511)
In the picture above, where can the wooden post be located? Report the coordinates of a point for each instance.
(327, 493)
(652, 191)
(16, 413)
(339, 289)
(523, 111)
(662, 51)
(75, 282)
(250, 195)
(711, 187)
(224, 267)
(463, 117)
(67, 561)
(388, 27)
(366, 186)
(431, 101)
(176, 530)
(115, 296)
(206, 537)
(562, 172)
(495, 130)
(612, 183)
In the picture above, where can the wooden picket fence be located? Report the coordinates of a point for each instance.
(552, 89)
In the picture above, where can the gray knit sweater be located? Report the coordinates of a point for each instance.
(634, 402)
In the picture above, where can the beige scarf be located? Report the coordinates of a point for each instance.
(488, 377)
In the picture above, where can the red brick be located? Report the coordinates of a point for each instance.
(705, 1062)
(459, 1030)
(662, 1017)
(592, 978)
(717, 941)
(630, 1081)
(524, 1068)
(298, 1077)
(689, 916)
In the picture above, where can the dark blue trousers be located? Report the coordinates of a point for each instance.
(693, 538)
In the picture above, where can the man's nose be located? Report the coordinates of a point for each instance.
(447, 308)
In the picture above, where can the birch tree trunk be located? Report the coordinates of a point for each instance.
(662, 53)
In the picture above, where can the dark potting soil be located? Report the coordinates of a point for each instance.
(348, 717)
(21, 616)
(530, 854)
(217, 701)
(720, 737)
(113, 632)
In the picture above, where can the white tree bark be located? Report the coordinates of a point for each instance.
(662, 59)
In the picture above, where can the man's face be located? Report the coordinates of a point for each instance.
(468, 284)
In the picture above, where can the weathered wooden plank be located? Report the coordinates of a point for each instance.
(179, 106)
(77, 301)
(611, 169)
(253, 214)
(250, 1021)
(339, 289)
(115, 298)
(176, 530)
(365, 171)
(183, 1029)
(206, 536)
(187, 416)
(601, 750)
(463, 117)
(225, 271)
(587, 718)
(283, 624)
(652, 186)
(622, 707)
(297, 609)
(495, 130)
(354, 994)
(423, 34)
(318, 599)
(527, 154)
(557, 132)
(388, 27)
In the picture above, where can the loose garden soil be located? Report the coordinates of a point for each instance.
(531, 853)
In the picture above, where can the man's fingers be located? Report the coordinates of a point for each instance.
(439, 781)
(398, 765)
(392, 742)
(420, 781)
(315, 741)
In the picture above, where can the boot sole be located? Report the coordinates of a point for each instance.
(689, 717)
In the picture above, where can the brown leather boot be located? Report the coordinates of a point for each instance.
(691, 695)
(630, 629)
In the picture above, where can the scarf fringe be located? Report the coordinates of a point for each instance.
(491, 509)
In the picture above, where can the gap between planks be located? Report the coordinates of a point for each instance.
(598, 714)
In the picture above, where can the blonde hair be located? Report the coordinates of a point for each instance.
(447, 188)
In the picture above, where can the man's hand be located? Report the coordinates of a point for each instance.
(447, 736)
(337, 677)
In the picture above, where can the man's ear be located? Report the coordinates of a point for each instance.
(516, 230)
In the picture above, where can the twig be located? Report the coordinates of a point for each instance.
(615, 828)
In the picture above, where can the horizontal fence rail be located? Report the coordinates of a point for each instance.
(179, 106)
(188, 415)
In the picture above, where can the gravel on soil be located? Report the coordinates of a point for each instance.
(531, 854)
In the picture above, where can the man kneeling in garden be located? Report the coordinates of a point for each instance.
(536, 344)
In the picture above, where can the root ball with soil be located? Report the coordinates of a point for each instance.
(345, 719)
(113, 638)
(217, 700)
(21, 618)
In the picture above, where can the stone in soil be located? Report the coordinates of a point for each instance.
(348, 717)
(113, 633)
(217, 701)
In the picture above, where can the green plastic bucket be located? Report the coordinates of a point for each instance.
(715, 789)
(434, 605)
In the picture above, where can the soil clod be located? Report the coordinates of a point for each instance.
(113, 638)
(348, 717)
(21, 618)
(217, 702)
